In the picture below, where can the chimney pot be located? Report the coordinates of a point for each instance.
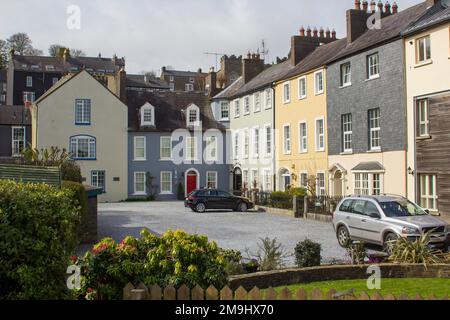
(394, 7)
(380, 6)
(211, 69)
(322, 33)
(365, 5)
(333, 34)
(315, 32)
(387, 7)
(302, 31)
(199, 70)
(357, 4)
(308, 32)
(249, 55)
(328, 33)
(373, 5)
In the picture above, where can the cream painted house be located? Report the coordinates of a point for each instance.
(81, 115)
(301, 122)
(427, 55)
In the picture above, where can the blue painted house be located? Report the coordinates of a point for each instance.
(175, 145)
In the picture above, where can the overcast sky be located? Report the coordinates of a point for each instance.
(154, 33)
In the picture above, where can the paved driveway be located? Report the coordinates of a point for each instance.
(230, 230)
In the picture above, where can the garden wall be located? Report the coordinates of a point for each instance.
(264, 280)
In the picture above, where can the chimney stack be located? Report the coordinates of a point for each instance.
(308, 32)
(321, 33)
(365, 5)
(357, 5)
(387, 8)
(357, 21)
(66, 54)
(211, 82)
(328, 33)
(394, 8)
(302, 31)
(373, 6)
(251, 67)
(380, 6)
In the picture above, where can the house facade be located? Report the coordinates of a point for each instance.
(15, 130)
(82, 116)
(366, 105)
(184, 81)
(175, 146)
(427, 52)
(301, 122)
(29, 77)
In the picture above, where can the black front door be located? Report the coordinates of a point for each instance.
(237, 181)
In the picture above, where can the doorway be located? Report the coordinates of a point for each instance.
(191, 181)
(237, 180)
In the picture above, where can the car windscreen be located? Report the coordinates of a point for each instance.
(399, 208)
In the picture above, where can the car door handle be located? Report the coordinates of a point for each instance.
(363, 220)
(347, 217)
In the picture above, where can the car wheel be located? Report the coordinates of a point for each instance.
(343, 236)
(200, 207)
(243, 207)
(388, 240)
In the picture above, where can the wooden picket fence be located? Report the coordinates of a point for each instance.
(170, 293)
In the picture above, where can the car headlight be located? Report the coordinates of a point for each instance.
(410, 230)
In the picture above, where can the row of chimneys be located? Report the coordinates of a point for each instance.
(374, 5)
(317, 33)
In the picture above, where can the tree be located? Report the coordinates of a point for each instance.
(55, 50)
(22, 45)
(3, 54)
(77, 53)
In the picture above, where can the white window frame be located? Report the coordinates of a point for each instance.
(346, 74)
(423, 103)
(256, 102)
(321, 190)
(29, 81)
(256, 134)
(303, 174)
(138, 192)
(161, 149)
(208, 180)
(245, 178)
(188, 87)
(83, 109)
(268, 139)
(170, 191)
(224, 108)
(374, 130)
(29, 96)
(92, 147)
(303, 139)
(268, 99)
(286, 94)
(302, 94)
(348, 133)
(246, 105)
(54, 80)
(172, 86)
(135, 148)
(195, 123)
(287, 142)
(208, 149)
(255, 177)
(237, 108)
(317, 89)
(190, 147)
(246, 144)
(320, 136)
(373, 66)
(425, 194)
(236, 148)
(95, 175)
(144, 108)
(365, 187)
(267, 177)
(15, 143)
(426, 44)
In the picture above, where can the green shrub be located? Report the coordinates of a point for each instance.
(271, 255)
(281, 200)
(298, 192)
(70, 171)
(81, 199)
(37, 236)
(307, 254)
(357, 251)
(175, 258)
(233, 261)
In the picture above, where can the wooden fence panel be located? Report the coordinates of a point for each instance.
(271, 294)
(212, 293)
(170, 293)
(285, 294)
(301, 294)
(364, 296)
(198, 294)
(226, 294)
(255, 294)
(316, 294)
(155, 293)
(183, 293)
(127, 291)
(240, 294)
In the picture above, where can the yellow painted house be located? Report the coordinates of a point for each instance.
(300, 122)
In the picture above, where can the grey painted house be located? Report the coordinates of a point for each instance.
(366, 106)
(15, 130)
(166, 131)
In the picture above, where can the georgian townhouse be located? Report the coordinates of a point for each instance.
(366, 103)
(137, 82)
(427, 52)
(175, 145)
(15, 130)
(184, 81)
(250, 101)
(29, 77)
(81, 115)
(301, 120)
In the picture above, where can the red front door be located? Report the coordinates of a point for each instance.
(191, 183)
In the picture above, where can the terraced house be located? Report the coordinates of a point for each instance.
(300, 113)
(366, 103)
(251, 103)
(427, 52)
(175, 145)
(81, 115)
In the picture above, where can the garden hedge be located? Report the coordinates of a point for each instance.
(38, 226)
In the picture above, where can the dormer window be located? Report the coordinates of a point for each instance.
(193, 115)
(147, 115)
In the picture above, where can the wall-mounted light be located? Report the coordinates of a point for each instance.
(410, 171)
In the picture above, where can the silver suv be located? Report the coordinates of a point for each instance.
(381, 219)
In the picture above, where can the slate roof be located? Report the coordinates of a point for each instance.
(179, 73)
(168, 110)
(391, 28)
(138, 81)
(73, 64)
(231, 90)
(369, 166)
(15, 115)
(317, 58)
(437, 14)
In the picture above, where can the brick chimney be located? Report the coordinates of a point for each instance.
(211, 83)
(66, 55)
(394, 8)
(303, 44)
(251, 67)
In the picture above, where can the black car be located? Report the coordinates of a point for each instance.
(202, 200)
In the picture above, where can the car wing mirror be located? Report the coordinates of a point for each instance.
(427, 211)
(375, 215)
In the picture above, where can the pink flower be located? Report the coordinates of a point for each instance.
(74, 259)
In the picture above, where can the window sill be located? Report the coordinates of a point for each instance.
(422, 64)
(84, 159)
(166, 193)
(302, 98)
(256, 111)
(373, 78)
(318, 93)
(286, 102)
(321, 150)
(374, 151)
(303, 152)
(345, 86)
(139, 194)
(82, 124)
(346, 153)
(165, 159)
(139, 160)
(225, 119)
(428, 137)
